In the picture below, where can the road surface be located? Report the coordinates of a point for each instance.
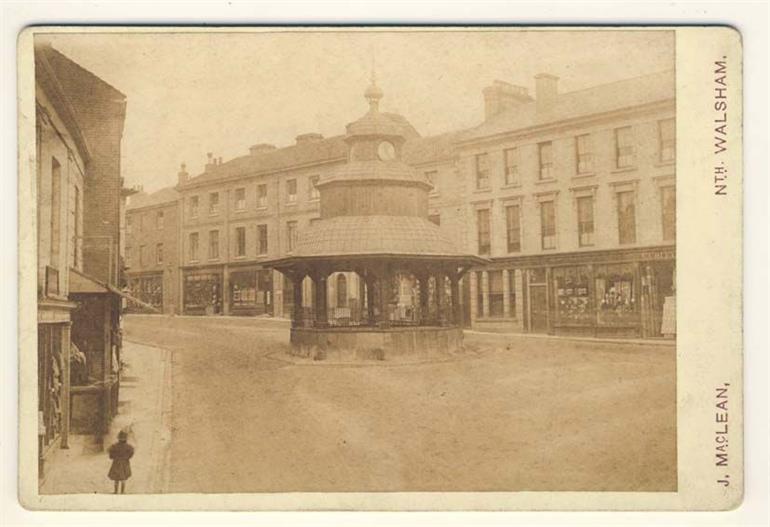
(524, 414)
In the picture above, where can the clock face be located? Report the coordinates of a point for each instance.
(386, 151)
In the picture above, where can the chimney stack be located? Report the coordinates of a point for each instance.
(546, 91)
(210, 161)
(308, 138)
(502, 96)
(182, 176)
(261, 148)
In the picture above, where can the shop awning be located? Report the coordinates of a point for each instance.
(83, 284)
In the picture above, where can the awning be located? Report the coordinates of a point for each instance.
(84, 285)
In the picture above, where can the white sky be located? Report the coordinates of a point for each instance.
(192, 93)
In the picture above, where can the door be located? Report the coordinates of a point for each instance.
(538, 309)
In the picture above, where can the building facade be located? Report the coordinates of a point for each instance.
(151, 252)
(79, 123)
(571, 196)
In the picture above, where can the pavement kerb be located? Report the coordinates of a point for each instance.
(635, 342)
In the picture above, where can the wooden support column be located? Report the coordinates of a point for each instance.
(66, 337)
(424, 311)
(385, 279)
(454, 280)
(296, 317)
(321, 302)
(506, 293)
(485, 294)
(440, 295)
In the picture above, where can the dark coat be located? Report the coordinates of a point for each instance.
(120, 453)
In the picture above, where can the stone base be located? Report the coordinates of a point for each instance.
(367, 343)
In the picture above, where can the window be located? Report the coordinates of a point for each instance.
(262, 239)
(482, 171)
(431, 176)
(262, 196)
(482, 223)
(513, 228)
(291, 235)
(159, 254)
(626, 217)
(142, 251)
(545, 157)
(435, 218)
(585, 212)
(583, 154)
(667, 138)
(511, 159)
(668, 208)
(213, 245)
(55, 212)
(624, 147)
(240, 199)
(214, 203)
(240, 241)
(159, 219)
(193, 246)
(194, 207)
(548, 225)
(342, 290)
(496, 296)
(291, 190)
(129, 224)
(314, 194)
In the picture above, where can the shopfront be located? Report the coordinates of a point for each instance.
(149, 289)
(251, 291)
(203, 292)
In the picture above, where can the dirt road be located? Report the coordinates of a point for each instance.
(527, 414)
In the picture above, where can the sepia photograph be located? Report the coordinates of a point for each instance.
(357, 260)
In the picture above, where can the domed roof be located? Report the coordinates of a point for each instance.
(374, 122)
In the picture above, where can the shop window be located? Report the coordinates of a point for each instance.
(262, 239)
(194, 249)
(482, 171)
(291, 190)
(584, 154)
(667, 140)
(572, 292)
(291, 235)
(262, 196)
(50, 382)
(214, 203)
(585, 211)
(511, 161)
(240, 242)
(202, 293)
(513, 228)
(668, 209)
(616, 296)
(547, 225)
(243, 289)
(626, 217)
(496, 296)
(240, 199)
(194, 206)
(483, 229)
(625, 155)
(213, 245)
(545, 158)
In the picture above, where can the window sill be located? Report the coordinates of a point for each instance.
(213, 260)
(262, 209)
(510, 186)
(195, 261)
(623, 170)
(213, 214)
(241, 257)
(584, 175)
(239, 211)
(546, 181)
(483, 319)
(314, 200)
(482, 190)
(291, 203)
(661, 164)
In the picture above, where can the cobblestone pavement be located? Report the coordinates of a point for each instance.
(522, 414)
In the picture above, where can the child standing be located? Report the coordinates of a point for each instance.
(120, 453)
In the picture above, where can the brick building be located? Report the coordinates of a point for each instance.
(151, 252)
(79, 124)
(570, 195)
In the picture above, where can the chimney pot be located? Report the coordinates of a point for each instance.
(182, 175)
(546, 91)
(261, 148)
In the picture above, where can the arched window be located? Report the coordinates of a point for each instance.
(342, 290)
